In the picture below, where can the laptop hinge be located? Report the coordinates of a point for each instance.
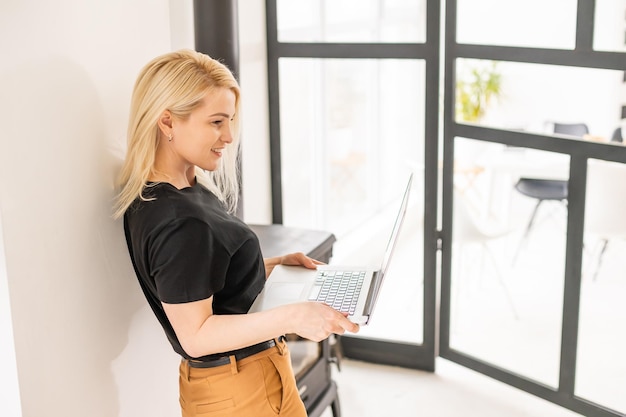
(371, 295)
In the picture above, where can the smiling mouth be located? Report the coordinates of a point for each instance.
(217, 151)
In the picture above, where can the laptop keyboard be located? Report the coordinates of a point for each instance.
(338, 289)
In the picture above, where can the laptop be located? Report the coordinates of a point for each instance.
(346, 289)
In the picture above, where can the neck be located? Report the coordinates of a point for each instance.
(170, 170)
(179, 178)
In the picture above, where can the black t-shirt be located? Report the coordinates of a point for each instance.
(185, 247)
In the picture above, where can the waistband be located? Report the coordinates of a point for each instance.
(238, 354)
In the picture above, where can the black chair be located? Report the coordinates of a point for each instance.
(544, 190)
(617, 135)
(571, 129)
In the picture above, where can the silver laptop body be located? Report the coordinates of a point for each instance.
(348, 289)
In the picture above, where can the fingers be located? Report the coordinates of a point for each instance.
(299, 258)
(318, 321)
(308, 262)
(352, 327)
(341, 324)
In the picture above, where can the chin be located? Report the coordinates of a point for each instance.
(208, 168)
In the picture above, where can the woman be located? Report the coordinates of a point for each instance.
(200, 267)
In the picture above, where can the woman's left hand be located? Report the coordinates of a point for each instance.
(296, 258)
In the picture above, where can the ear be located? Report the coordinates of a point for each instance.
(165, 123)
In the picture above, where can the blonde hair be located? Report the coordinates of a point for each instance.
(176, 81)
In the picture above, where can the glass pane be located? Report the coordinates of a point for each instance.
(534, 97)
(602, 326)
(508, 256)
(351, 132)
(610, 26)
(345, 21)
(531, 23)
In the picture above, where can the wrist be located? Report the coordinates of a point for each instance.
(270, 263)
(287, 314)
(276, 260)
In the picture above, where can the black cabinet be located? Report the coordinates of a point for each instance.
(311, 361)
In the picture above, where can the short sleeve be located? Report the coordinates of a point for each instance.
(187, 263)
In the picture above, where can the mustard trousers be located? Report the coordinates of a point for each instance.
(257, 386)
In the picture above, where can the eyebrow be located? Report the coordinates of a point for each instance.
(221, 114)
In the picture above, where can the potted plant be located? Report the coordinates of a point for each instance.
(477, 83)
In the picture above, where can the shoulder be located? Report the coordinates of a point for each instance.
(164, 201)
(166, 207)
(161, 205)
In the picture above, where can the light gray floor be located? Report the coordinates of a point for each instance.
(452, 391)
(506, 313)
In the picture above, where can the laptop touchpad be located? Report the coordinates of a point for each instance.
(287, 290)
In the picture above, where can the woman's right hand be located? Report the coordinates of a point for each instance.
(317, 321)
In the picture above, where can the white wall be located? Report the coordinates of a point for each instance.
(84, 341)
(534, 95)
(10, 393)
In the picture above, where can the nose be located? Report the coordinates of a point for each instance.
(227, 135)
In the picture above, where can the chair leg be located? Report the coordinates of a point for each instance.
(527, 231)
(505, 288)
(605, 243)
(336, 409)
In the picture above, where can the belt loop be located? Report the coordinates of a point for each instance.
(279, 345)
(185, 368)
(233, 364)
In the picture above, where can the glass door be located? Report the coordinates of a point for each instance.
(529, 130)
(531, 288)
(356, 88)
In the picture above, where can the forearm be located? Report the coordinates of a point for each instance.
(223, 333)
(202, 333)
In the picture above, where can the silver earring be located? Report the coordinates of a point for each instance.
(169, 138)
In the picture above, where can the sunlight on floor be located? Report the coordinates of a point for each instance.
(368, 390)
(509, 316)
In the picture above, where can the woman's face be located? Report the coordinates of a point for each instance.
(201, 139)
